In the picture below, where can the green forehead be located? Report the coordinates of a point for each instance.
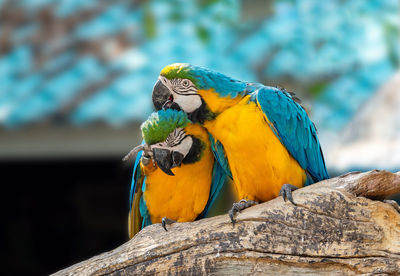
(205, 79)
(178, 70)
(160, 124)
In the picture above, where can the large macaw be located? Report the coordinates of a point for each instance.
(261, 136)
(175, 177)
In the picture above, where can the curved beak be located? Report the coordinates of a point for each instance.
(177, 159)
(164, 160)
(161, 96)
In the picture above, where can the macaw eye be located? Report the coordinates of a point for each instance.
(185, 83)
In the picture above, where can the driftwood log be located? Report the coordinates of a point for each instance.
(338, 226)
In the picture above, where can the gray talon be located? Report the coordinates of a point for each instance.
(166, 221)
(239, 206)
(286, 192)
(145, 160)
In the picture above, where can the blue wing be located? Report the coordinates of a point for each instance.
(219, 154)
(293, 127)
(137, 177)
(219, 175)
(138, 214)
(218, 180)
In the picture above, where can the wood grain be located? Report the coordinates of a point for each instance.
(332, 230)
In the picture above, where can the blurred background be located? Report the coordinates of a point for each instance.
(76, 79)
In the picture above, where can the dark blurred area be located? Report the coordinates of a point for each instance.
(75, 84)
(59, 212)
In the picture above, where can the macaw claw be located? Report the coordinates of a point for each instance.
(239, 206)
(147, 154)
(133, 151)
(286, 192)
(166, 221)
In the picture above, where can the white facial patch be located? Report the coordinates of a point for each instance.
(184, 146)
(174, 142)
(187, 102)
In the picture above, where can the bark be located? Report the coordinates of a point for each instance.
(333, 229)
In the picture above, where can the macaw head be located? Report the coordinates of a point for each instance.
(181, 86)
(166, 141)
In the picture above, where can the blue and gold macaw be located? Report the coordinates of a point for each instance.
(175, 177)
(261, 136)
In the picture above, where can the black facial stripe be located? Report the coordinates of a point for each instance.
(178, 88)
(201, 114)
(186, 91)
(173, 136)
(187, 94)
(195, 152)
(176, 140)
(183, 92)
(176, 134)
(180, 135)
(189, 88)
(179, 141)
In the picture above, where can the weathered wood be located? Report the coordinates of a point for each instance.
(330, 231)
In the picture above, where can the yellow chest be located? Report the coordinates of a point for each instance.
(181, 197)
(259, 162)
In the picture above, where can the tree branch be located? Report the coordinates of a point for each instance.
(330, 230)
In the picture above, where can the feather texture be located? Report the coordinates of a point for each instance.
(220, 156)
(138, 213)
(293, 127)
(205, 79)
(160, 124)
(187, 196)
(218, 181)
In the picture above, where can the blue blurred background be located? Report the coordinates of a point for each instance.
(76, 79)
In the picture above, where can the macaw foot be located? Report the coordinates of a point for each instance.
(286, 192)
(393, 203)
(146, 157)
(239, 206)
(166, 221)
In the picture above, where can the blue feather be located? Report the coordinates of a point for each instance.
(219, 154)
(138, 178)
(218, 180)
(222, 84)
(144, 212)
(293, 127)
(206, 79)
(288, 120)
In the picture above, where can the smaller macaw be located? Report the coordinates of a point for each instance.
(175, 178)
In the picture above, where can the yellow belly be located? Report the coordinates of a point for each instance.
(259, 162)
(181, 197)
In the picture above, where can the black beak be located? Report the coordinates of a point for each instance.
(164, 161)
(177, 158)
(161, 96)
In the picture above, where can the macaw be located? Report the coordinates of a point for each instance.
(261, 135)
(175, 178)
